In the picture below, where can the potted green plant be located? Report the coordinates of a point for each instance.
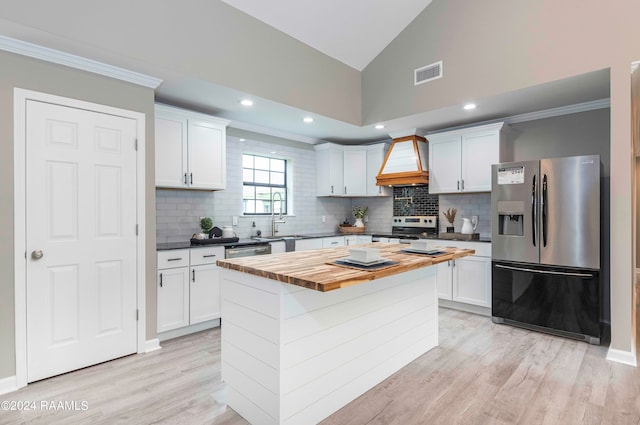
(206, 224)
(359, 213)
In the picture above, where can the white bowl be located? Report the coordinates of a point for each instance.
(420, 244)
(364, 254)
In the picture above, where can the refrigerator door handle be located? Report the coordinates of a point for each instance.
(519, 269)
(544, 210)
(533, 210)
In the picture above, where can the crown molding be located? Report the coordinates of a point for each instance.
(273, 132)
(35, 51)
(537, 115)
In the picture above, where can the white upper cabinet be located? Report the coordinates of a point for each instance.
(460, 160)
(190, 149)
(355, 171)
(375, 158)
(348, 170)
(329, 170)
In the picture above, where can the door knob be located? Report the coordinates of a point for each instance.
(37, 254)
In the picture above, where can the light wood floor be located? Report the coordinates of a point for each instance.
(481, 373)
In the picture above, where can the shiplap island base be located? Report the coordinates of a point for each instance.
(301, 337)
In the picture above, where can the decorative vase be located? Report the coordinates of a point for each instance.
(358, 223)
(450, 229)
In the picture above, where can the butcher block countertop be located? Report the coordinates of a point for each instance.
(310, 269)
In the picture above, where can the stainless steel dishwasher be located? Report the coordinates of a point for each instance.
(235, 251)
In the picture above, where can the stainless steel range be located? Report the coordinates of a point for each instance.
(407, 228)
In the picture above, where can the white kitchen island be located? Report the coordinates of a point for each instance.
(302, 338)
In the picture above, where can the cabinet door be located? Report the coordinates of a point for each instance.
(444, 280)
(173, 298)
(479, 151)
(204, 294)
(363, 239)
(171, 151)
(444, 165)
(351, 240)
(472, 281)
(375, 158)
(329, 171)
(307, 244)
(355, 172)
(333, 242)
(207, 155)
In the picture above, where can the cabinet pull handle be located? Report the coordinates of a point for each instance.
(462, 184)
(193, 275)
(185, 178)
(174, 259)
(331, 188)
(345, 190)
(449, 263)
(209, 256)
(458, 184)
(191, 177)
(454, 262)
(161, 280)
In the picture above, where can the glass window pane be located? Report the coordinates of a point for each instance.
(247, 175)
(249, 206)
(277, 178)
(262, 163)
(248, 192)
(277, 164)
(262, 177)
(247, 161)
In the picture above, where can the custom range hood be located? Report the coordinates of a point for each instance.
(405, 163)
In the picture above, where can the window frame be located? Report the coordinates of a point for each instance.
(271, 186)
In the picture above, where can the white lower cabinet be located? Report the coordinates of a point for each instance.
(188, 287)
(333, 242)
(466, 280)
(278, 247)
(356, 239)
(173, 298)
(307, 244)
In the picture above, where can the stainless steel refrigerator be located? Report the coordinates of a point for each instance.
(546, 246)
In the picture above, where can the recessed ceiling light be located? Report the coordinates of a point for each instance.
(272, 152)
(379, 126)
(308, 120)
(242, 140)
(469, 106)
(246, 102)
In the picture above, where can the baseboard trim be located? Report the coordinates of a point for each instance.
(210, 324)
(8, 384)
(620, 356)
(469, 308)
(151, 345)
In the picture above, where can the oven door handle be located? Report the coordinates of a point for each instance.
(520, 269)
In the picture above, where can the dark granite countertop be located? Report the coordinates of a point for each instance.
(165, 246)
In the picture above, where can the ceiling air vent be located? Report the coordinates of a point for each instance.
(427, 73)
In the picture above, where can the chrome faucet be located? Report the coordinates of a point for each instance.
(274, 227)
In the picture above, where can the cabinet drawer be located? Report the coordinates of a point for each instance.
(208, 255)
(173, 258)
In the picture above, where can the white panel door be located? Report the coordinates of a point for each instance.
(207, 155)
(81, 217)
(204, 294)
(444, 165)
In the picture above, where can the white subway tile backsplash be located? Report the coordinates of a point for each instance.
(467, 205)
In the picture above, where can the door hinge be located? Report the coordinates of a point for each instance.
(136, 230)
(136, 144)
(137, 315)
